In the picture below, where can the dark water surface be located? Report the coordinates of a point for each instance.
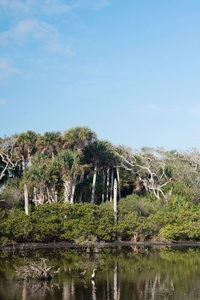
(123, 273)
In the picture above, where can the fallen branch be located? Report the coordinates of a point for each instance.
(34, 271)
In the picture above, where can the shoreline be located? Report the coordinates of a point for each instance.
(60, 245)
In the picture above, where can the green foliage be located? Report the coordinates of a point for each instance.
(133, 202)
(16, 226)
(58, 222)
(88, 220)
(186, 226)
(180, 188)
(106, 230)
(86, 223)
(132, 214)
(46, 223)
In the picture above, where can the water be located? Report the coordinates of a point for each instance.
(123, 273)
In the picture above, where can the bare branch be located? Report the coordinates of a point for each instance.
(148, 167)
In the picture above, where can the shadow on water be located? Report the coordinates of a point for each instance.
(130, 273)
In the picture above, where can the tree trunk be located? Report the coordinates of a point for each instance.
(67, 190)
(104, 180)
(73, 188)
(35, 195)
(118, 179)
(115, 200)
(52, 193)
(111, 189)
(26, 199)
(81, 193)
(94, 183)
(107, 192)
(26, 202)
(56, 197)
(39, 197)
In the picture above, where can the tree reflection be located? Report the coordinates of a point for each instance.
(122, 273)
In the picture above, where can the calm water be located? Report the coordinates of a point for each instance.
(126, 273)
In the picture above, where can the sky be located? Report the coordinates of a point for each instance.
(127, 69)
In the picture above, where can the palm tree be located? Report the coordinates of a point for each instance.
(35, 177)
(103, 157)
(78, 137)
(53, 179)
(43, 176)
(25, 147)
(49, 142)
(70, 167)
(97, 154)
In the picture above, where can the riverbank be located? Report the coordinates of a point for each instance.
(99, 245)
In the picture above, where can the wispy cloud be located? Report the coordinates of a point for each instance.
(6, 69)
(2, 101)
(16, 6)
(33, 7)
(99, 4)
(28, 29)
(31, 26)
(49, 7)
(57, 7)
(5, 66)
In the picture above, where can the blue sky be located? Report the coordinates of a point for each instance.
(129, 70)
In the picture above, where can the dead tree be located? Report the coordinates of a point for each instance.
(149, 166)
(7, 157)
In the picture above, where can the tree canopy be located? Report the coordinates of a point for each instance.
(77, 167)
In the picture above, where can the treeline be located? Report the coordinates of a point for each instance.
(72, 168)
(48, 173)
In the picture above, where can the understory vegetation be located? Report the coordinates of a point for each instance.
(58, 188)
(139, 219)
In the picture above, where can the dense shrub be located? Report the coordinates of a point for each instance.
(15, 226)
(186, 226)
(47, 222)
(88, 220)
(106, 230)
(139, 218)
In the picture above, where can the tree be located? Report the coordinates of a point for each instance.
(43, 176)
(7, 157)
(186, 169)
(70, 166)
(100, 156)
(150, 166)
(76, 138)
(25, 147)
(49, 143)
(35, 177)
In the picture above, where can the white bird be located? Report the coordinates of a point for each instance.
(93, 274)
(56, 272)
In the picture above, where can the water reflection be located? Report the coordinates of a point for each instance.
(132, 273)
